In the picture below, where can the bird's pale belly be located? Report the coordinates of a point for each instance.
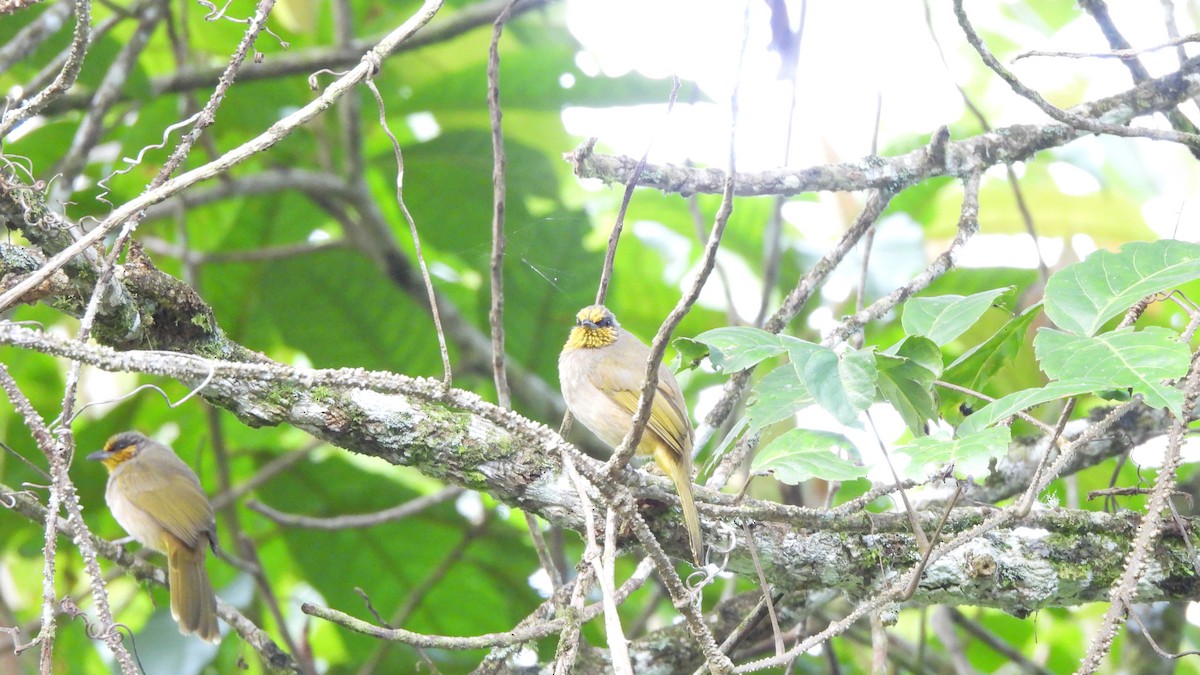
(140, 525)
(609, 421)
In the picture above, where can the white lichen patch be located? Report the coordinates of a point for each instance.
(1027, 535)
(384, 407)
(555, 496)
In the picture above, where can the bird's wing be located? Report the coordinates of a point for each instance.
(668, 420)
(173, 499)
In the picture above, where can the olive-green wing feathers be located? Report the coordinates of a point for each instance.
(163, 495)
(668, 420)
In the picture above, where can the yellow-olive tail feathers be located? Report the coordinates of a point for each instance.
(193, 603)
(680, 472)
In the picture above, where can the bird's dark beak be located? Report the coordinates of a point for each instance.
(588, 324)
(97, 455)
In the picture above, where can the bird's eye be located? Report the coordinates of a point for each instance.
(605, 322)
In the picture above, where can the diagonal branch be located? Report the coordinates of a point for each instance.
(962, 158)
(221, 165)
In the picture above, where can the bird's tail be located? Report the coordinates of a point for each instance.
(680, 471)
(193, 603)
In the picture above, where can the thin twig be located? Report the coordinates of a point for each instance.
(968, 227)
(87, 134)
(304, 657)
(512, 637)
(610, 253)
(658, 345)
(1098, 10)
(1173, 28)
(267, 472)
(1154, 645)
(409, 508)
(937, 533)
(1123, 54)
(418, 594)
(568, 640)
(918, 532)
(447, 373)
(34, 34)
(264, 254)
(996, 643)
(496, 315)
(543, 551)
(766, 591)
(600, 559)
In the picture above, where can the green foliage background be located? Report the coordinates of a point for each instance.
(336, 308)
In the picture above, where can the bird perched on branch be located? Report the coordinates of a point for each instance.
(158, 500)
(600, 370)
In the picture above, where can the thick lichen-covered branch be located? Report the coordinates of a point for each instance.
(459, 438)
(1051, 558)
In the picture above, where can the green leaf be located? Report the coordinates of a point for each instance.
(906, 381)
(920, 350)
(802, 454)
(689, 353)
(1081, 297)
(736, 348)
(378, 306)
(970, 452)
(843, 386)
(1123, 358)
(1003, 408)
(719, 451)
(945, 317)
(978, 365)
(777, 397)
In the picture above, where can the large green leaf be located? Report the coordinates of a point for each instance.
(969, 452)
(943, 318)
(1015, 402)
(974, 368)
(1080, 298)
(843, 386)
(365, 320)
(1139, 360)
(906, 381)
(802, 454)
(738, 347)
(777, 396)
